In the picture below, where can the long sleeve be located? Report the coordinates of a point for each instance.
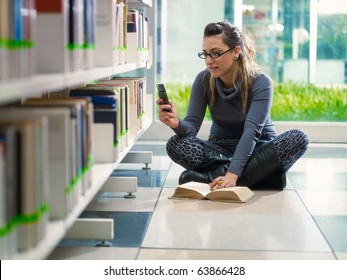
(191, 124)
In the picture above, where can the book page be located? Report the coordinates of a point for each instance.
(187, 193)
(234, 194)
(192, 190)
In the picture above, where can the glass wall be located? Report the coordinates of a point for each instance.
(182, 25)
(332, 42)
(301, 43)
(264, 21)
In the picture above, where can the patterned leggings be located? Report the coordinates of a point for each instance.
(190, 152)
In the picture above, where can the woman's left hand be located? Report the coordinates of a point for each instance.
(226, 181)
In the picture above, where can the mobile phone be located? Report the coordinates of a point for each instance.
(163, 95)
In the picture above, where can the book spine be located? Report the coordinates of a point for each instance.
(52, 36)
(75, 34)
(105, 33)
(89, 33)
(3, 203)
(4, 38)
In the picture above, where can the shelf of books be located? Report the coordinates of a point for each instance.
(66, 120)
(12, 89)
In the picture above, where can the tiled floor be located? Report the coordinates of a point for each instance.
(308, 220)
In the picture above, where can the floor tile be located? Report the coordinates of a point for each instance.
(341, 256)
(325, 202)
(234, 232)
(327, 151)
(334, 229)
(174, 254)
(93, 253)
(173, 175)
(314, 181)
(320, 166)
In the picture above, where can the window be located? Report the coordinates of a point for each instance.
(301, 44)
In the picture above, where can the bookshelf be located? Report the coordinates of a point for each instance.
(13, 89)
(20, 87)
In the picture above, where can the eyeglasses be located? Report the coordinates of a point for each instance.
(213, 55)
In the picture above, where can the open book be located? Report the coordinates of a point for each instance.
(195, 190)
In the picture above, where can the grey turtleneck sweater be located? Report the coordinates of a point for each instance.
(228, 120)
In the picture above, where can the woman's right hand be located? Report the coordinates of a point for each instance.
(167, 117)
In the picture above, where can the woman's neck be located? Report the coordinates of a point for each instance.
(229, 80)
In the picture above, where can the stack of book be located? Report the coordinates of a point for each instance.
(138, 38)
(24, 182)
(107, 104)
(59, 36)
(47, 156)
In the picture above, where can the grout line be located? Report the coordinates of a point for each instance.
(314, 220)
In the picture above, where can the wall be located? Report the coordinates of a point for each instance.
(328, 71)
(184, 36)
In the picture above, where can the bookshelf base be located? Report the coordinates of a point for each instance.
(120, 184)
(92, 228)
(138, 157)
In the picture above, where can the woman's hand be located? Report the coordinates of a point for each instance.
(226, 181)
(168, 114)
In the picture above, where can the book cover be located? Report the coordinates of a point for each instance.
(201, 191)
(10, 206)
(109, 116)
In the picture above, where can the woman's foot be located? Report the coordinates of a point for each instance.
(190, 175)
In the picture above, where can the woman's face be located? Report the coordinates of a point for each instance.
(220, 67)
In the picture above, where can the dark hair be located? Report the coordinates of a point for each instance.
(246, 68)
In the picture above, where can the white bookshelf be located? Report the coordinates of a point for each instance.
(33, 86)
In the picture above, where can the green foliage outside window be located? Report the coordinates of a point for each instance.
(291, 102)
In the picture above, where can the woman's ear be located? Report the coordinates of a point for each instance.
(237, 52)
